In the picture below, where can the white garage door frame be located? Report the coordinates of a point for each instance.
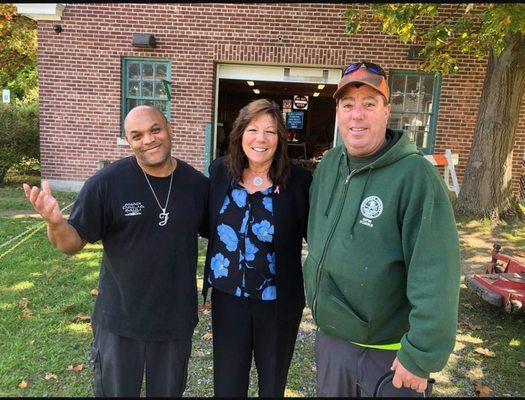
(271, 73)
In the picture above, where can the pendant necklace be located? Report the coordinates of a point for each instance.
(164, 216)
(258, 180)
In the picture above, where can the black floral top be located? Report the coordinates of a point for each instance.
(243, 257)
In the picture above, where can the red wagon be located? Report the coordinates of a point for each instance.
(503, 283)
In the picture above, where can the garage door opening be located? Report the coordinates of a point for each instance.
(305, 100)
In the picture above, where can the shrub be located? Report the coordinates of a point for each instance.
(19, 135)
(26, 166)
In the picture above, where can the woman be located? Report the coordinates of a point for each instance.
(258, 208)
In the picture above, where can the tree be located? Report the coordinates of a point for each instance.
(18, 53)
(492, 31)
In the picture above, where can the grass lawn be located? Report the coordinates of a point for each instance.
(45, 301)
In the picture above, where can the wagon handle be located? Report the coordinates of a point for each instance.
(386, 378)
(495, 249)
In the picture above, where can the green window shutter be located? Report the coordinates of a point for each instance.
(145, 81)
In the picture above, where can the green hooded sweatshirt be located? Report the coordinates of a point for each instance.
(383, 263)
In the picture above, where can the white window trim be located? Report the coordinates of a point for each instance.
(122, 142)
(41, 11)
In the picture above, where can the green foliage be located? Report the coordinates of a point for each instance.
(475, 28)
(19, 135)
(24, 85)
(25, 171)
(18, 53)
(12, 179)
(26, 166)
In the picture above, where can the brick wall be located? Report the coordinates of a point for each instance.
(80, 72)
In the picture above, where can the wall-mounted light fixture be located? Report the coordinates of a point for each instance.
(57, 28)
(145, 40)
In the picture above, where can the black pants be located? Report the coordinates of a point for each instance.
(242, 327)
(119, 364)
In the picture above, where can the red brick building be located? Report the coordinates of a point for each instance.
(200, 72)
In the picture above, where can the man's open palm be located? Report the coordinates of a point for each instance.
(44, 203)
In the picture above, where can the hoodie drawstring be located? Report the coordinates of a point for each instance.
(332, 194)
(358, 208)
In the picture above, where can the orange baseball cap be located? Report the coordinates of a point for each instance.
(363, 74)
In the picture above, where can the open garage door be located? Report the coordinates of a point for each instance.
(303, 94)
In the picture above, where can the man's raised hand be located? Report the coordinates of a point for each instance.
(44, 203)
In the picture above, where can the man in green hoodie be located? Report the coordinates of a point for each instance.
(383, 268)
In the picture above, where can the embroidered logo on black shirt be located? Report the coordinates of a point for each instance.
(132, 209)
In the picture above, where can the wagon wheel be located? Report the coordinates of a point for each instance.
(513, 306)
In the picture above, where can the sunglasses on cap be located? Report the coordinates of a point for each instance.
(376, 69)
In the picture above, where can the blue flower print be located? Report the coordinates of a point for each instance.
(267, 203)
(250, 250)
(269, 293)
(263, 230)
(225, 204)
(244, 222)
(270, 257)
(241, 259)
(228, 236)
(219, 265)
(239, 197)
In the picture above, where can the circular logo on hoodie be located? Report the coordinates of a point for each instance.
(372, 207)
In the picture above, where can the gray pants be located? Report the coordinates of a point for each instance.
(347, 370)
(119, 365)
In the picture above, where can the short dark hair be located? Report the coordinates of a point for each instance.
(236, 159)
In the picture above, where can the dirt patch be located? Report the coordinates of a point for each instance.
(476, 246)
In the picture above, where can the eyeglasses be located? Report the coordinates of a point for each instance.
(376, 69)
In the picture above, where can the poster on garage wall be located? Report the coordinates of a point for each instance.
(287, 105)
(294, 120)
(300, 102)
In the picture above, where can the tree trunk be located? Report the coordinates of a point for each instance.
(3, 172)
(486, 190)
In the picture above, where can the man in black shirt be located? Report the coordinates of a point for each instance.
(147, 209)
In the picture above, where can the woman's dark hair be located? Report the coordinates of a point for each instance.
(236, 159)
